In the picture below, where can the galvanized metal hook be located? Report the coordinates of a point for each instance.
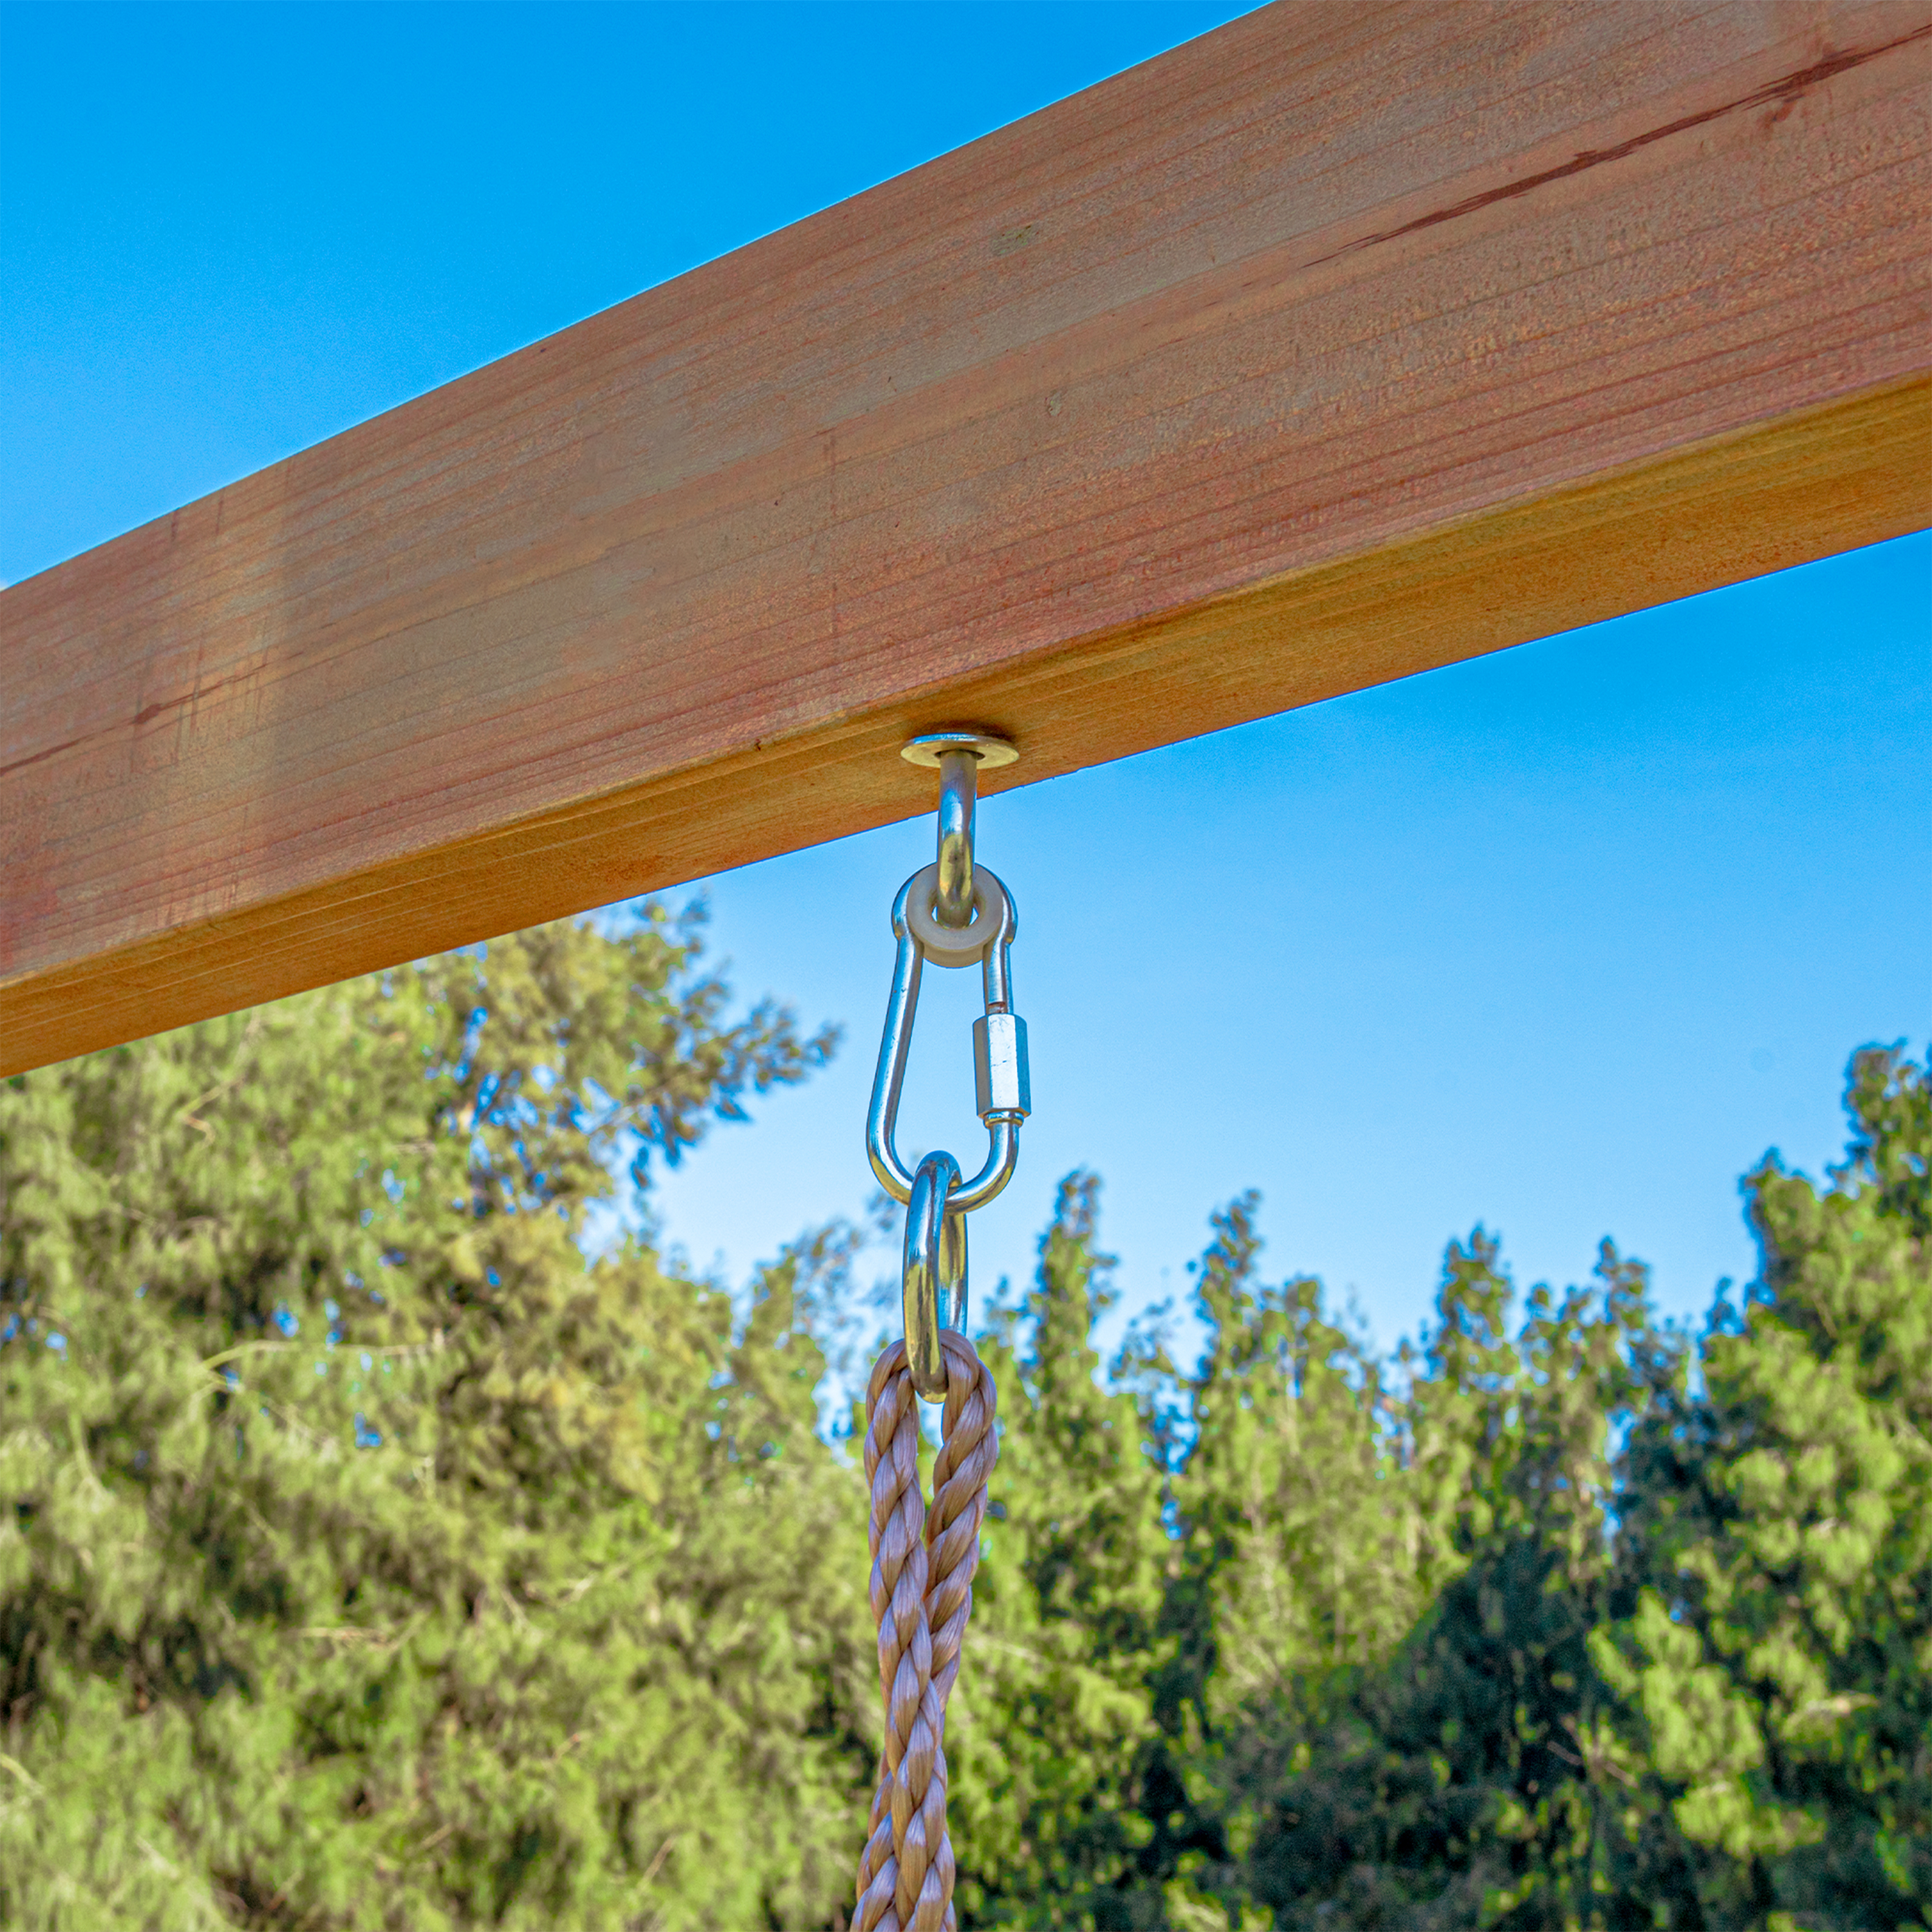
(958, 806)
(953, 913)
(958, 756)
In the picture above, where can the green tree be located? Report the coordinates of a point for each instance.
(368, 1558)
(1298, 1556)
(1775, 1649)
(1053, 1724)
(1560, 1622)
(1393, 1571)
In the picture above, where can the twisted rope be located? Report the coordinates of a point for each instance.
(922, 1565)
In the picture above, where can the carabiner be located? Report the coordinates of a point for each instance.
(1002, 1088)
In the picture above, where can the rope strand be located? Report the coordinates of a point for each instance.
(922, 1588)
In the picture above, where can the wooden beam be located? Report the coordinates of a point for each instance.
(1345, 342)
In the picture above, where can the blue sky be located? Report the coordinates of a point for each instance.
(1560, 941)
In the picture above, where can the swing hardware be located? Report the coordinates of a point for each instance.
(954, 913)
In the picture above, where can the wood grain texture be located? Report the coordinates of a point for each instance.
(1343, 343)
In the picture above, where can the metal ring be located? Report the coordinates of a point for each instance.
(958, 946)
(934, 1281)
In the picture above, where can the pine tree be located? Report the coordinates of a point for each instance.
(1400, 1567)
(1775, 1649)
(369, 1559)
(1054, 1720)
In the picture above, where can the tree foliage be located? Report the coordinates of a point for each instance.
(1775, 1668)
(371, 1559)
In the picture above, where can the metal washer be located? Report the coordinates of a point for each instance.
(992, 752)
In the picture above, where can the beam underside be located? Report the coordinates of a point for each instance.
(1189, 400)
